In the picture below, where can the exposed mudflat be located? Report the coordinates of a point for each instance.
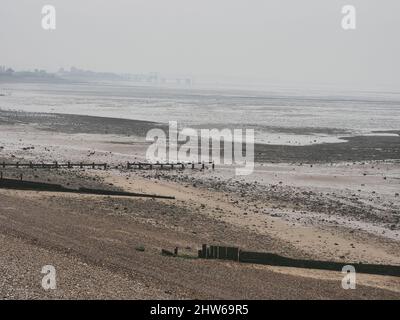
(71, 123)
(382, 146)
(359, 148)
(109, 247)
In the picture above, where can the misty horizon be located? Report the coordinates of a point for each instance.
(270, 42)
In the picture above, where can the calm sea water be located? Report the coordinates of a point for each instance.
(279, 116)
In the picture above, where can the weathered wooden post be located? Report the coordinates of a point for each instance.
(192, 165)
(203, 251)
(232, 253)
(222, 253)
(212, 252)
(215, 252)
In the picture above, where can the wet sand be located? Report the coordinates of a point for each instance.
(71, 123)
(358, 148)
(353, 148)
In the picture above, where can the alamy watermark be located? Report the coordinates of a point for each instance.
(349, 280)
(48, 17)
(49, 281)
(349, 18)
(188, 145)
(348, 21)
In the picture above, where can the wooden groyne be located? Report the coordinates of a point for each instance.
(219, 252)
(54, 165)
(235, 254)
(105, 166)
(49, 187)
(169, 166)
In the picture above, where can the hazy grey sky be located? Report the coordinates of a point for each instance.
(288, 41)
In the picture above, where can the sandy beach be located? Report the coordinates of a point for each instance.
(336, 202)
(199, 158)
